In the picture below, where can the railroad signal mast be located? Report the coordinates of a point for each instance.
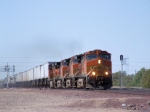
(121, 79)
(123, 62)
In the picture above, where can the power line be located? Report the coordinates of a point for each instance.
(24, 57)
(50, 57)
(138, 62)
(112, 61)
(22, 62)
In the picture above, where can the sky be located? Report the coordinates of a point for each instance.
(33, 32)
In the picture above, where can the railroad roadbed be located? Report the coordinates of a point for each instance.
(59, 100)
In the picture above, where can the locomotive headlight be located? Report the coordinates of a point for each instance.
(99, 61)
(93, 73)
(106, 73)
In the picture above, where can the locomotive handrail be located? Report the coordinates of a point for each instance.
(65, 74)
(107, 69)
(90, 71)
(56, 76)
(75, 73)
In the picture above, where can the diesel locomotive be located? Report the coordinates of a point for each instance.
(92, 69)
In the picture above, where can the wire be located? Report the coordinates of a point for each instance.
(24, 57)
(21, 62)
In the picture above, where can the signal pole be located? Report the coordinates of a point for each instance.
(123, 62)
(121, 59)
(121, 74)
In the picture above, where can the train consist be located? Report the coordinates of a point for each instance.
(92, 69)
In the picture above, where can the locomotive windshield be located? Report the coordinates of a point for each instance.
(65, 63)
(105, 56)
(75, 61)
(91, 56)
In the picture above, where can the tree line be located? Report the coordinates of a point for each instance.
(140, 79)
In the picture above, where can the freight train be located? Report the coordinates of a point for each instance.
(92, 69)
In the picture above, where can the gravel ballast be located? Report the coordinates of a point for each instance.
(58, 100)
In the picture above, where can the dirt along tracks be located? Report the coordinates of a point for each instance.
(58, 100)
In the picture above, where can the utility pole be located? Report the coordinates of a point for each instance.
(13, 73)
(7, 69)
(135, 71)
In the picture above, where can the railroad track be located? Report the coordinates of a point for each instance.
(126, 91)
(131, 91)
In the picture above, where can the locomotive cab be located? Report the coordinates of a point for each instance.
(54, 74)
(65, 67)
(99, 71)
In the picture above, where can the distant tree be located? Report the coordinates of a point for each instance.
(138, 77)
(131, 82)
(128, 80)
(145, 81)
(116, 78)
(148, 81)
